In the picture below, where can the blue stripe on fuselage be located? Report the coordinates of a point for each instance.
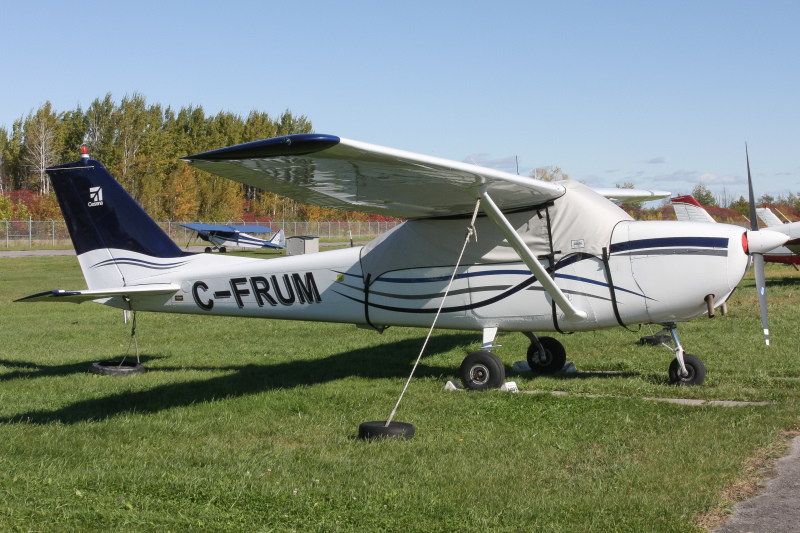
(670, 242)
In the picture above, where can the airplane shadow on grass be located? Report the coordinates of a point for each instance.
(36, 370)
(390, 360)
(774, 281)
(785, 281)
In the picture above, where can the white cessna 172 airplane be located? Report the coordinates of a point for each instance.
(544, 257)
(222, 236)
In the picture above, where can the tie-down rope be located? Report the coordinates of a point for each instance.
(133, 340)
(470, 232)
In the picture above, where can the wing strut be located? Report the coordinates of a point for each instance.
(530, 260)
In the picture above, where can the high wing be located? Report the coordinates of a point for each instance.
(624, 196)
(86, 295)
(330, 171)
(227, 229)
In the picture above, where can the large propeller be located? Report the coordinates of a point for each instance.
(758, 243)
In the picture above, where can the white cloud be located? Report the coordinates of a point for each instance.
(593, 180)
(710, 177)
(656, 161)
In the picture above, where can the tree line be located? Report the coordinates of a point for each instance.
(141, 145)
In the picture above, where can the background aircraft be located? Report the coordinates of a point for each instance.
(222, 236)
(769, 218)
(481, 250)
(792, 229)
(687, 208)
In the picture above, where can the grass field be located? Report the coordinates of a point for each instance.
(248, 425)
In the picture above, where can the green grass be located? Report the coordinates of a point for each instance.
(257, 432)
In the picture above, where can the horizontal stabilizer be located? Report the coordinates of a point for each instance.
(86, 295)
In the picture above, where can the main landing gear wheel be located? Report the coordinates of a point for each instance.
(695, 368)
(208, 249)
(482, 370)
(378, 430)
(555, 356)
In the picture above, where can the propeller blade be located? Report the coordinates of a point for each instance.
(758, 269)
(753, 217)
(758, 258)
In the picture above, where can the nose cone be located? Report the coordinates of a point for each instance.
(759, 242)
(677, 264)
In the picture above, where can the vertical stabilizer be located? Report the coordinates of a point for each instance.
(768, 217)
(279, 239)
(688, 209)
(105, 223)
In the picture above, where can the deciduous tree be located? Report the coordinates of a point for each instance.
(549, 173)
(703, 195)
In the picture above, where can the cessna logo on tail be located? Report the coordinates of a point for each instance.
(95, 196)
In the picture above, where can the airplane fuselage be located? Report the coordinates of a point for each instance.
(647, 263)
(234, 240)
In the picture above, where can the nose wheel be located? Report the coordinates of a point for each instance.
(695, 371)
(685, 369)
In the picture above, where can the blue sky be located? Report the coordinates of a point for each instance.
(663, 95)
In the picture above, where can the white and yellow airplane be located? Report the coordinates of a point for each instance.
(481, 250)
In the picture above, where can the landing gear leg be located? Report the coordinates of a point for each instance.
(685, 369)
(545, 354)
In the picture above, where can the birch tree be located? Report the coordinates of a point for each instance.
(130, 123)
(3, 145)
(100, 130)
(40, 144)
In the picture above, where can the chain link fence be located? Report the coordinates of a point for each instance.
(53, 233)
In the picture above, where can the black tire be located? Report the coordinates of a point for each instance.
(695, 367)
(378, 430)
(482, 370)
(208, 249)
(113, 368)
(555, 356)
(223, 249)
